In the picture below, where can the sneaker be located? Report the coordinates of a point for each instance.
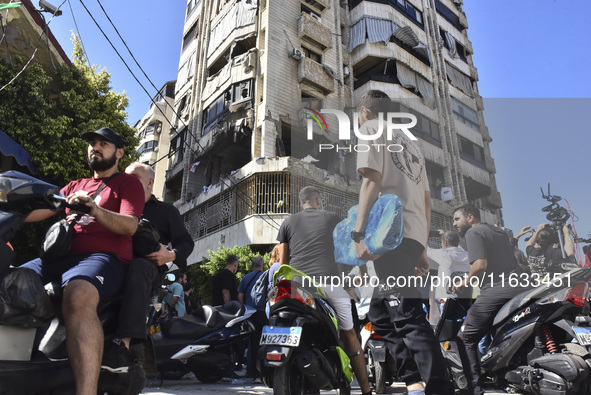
(116, 358)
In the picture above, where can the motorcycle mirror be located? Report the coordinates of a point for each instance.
(170, 277)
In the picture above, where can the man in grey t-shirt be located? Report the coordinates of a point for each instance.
(492, 262)
(307, 245)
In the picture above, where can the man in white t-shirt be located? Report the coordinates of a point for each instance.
(397, 313)
(453, 262)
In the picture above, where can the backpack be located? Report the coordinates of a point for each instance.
(259, 291)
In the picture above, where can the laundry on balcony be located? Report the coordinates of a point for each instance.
(241, 14)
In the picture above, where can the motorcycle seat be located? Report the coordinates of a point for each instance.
(517, 302)
(193, 326)
(231, 310)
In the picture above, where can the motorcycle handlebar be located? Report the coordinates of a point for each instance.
(61, 201)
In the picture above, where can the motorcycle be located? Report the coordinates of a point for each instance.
(300, 348)
(541, 339)
(36, 360)
(208, 342)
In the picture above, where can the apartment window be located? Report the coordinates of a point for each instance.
(190, 35)
(472, 152)
(316, 57)
(176, 148)
(191, 5)
(460, 50)
(148, 146)
(215, 109)
(150, 129)
(384, 71)
(425, 129)
(449, 15)
(311, 102)
(465, 114)
(409, 10)
(435, 178)
(309, 11)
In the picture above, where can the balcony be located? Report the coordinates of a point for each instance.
(490, 163)
(260, 195)
(314, 74)
(493, 200)
(312, 30)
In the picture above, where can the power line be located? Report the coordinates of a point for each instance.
(80, 36)
(44, 31)
(275, 225)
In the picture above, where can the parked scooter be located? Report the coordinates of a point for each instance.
(300, 348)
(33, 355)
(541, 339)
(208, 342)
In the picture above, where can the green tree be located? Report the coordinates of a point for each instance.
(201, 275)
(46, 116)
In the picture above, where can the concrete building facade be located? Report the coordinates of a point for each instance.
(250, 74)
(154, 132)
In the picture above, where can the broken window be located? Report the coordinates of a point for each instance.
(435, 178)
(472, 152)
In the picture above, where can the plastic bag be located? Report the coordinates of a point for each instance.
(384, 231)
(23, 300)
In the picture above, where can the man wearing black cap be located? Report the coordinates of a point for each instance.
(101, 248)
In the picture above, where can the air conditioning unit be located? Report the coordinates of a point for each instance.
(346, 71)
(159, 128)
(297, 54)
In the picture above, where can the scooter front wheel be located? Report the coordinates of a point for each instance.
(288, 380)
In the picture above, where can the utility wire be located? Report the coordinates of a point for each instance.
(80, 36)
(44, 31)
(275, 224)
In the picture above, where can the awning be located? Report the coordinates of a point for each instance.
(374, 28)
(407, 36)
(9, 147)
(460, 80)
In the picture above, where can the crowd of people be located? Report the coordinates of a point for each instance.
(91, 273)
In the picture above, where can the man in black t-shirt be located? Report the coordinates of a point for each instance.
(224, 283)
(493, 263)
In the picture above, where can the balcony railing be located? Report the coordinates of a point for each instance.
(262, 194)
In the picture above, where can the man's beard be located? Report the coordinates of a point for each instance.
(463, 229)
(98, 164)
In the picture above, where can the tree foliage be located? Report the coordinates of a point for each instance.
(46, 116)
(201, 275)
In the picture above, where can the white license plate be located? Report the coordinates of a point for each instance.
(281, 336)
(583, 335)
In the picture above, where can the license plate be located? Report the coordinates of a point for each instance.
(583, 335)
(281, 336)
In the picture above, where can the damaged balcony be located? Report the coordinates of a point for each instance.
(315, 74)
(311, 30)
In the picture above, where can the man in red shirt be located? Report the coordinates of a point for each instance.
(94, 268)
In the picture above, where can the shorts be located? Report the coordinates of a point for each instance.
(102, 269)
(341, 301)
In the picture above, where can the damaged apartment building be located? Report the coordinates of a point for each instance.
(251, 75)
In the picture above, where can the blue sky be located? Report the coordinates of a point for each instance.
(533, 59)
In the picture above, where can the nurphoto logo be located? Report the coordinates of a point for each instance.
(386, 122)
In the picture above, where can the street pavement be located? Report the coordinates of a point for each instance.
(190, 385)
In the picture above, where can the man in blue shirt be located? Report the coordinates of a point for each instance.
(176, 295)
(248, 282)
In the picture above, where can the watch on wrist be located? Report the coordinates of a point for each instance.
(357, 236)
